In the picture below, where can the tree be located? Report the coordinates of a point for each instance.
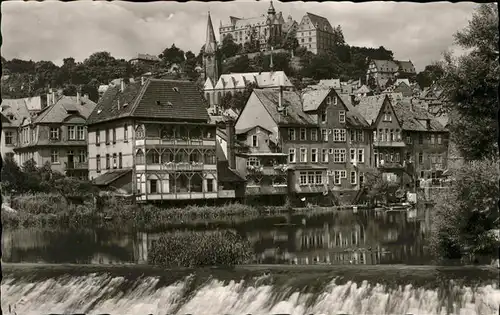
(338, 36)
(291, 42)
(229, 48)
(465, 214)
(431, 74)
(172, 55)
(378, 190)
(239, 64)
(470, 85)
(323, 66)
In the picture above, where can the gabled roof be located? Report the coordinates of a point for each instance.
(369, 107)
(406, 66)
(353, 117)
(363, 89)
(386, 65)
(110, 176)
(262, 79)
(64, 107)
(178, 100)
(243, 131)
(411, 118)
(319, 22)
(209, 85)
(225, 174)
(291, 100)
(406, 81)
(17, 109)
(312, 99)
(333, 83)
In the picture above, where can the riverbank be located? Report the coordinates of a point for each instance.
(51, 210)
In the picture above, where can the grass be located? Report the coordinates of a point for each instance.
(51, 210)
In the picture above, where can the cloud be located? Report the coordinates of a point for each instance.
(53, 30)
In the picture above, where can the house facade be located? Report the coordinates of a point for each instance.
(57, 135)
(315, 33)
(154, 139)
(383, 70)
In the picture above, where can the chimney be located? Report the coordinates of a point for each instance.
(48, 99)
(122, 85)
(411, 104)
(53, 97)
(142, 80)
(230, 132)
(118, 104)
(78, 101)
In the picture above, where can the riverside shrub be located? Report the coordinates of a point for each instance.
(196, 249)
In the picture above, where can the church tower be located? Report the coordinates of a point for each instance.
(209, 54)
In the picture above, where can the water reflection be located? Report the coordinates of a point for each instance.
(366, 237)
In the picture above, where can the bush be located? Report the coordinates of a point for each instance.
(192, 249)
(465, 214)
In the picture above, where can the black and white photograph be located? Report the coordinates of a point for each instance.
(250, 158)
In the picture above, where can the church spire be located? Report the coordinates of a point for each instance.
(271, 10)
(210, 44)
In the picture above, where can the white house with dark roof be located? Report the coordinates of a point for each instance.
(388, 69)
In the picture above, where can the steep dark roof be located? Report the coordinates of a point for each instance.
(295, 115)
(109, 177)
(225, 174)
(353, 117)
(370, 106)
(412, 118)
(320, 21)
(178, 100)
(61, 109)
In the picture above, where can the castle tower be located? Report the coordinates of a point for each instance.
(209, 54)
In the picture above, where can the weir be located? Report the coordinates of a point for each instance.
(255, 290)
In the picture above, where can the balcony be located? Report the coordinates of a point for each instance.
(267, 189)
(179, 166)
(391, 165)
(77, 165)
(266, 170)
(306, 189)
(179, 142)
(389, 144)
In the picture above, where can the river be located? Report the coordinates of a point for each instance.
(336, 263)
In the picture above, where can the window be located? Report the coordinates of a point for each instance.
(125, 133)
(374, 135)
(310, 178)
(342, 116)
(253, 161)
(387, 116)
(303, 155)
(432, 139)
(392, 135)
(408, 139)
(420, 158)
(114, 135)
(353, 177)
(80, 130)
(343, 174)
(107, 161)
(324, 155)
(98, 163)
(420, 139)
(314, 155)
(339, 135)
(324, 134)
(353, 155)
(291, 156)
(54, 133)
(97, 137)
(396, 157)
(291, 134)
(155, 157)
(82, 156)
(361, 155)
(334, 100)
(114, 161)
(153, 186)
(336, 177)
(54, 156)
(353, 135)
(398, 135)
(361, 178)
(314, 135)
(319, 177)
(107, 135)
(303, 178)
(323, 116)
(8, 137)
(339, 155)
(254, 141)
(71, 133)
(381, 135)
(439, 139)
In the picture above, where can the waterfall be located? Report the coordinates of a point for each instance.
(268, 293)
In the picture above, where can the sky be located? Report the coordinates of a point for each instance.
(52, 30)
